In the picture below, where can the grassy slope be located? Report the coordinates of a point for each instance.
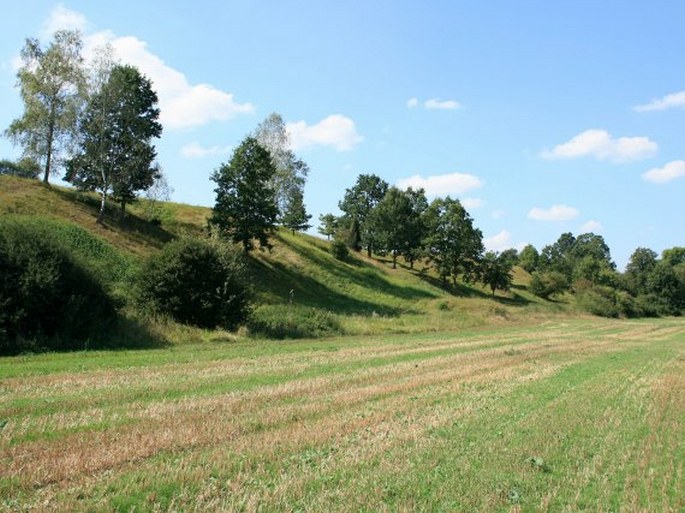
(328, 296)
(581, 415)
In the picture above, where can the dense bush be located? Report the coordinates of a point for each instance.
(339, 250)
(548, 284)
(293, 322)
(48, 299)
(195, 282)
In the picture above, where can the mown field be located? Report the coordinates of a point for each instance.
(577, 415)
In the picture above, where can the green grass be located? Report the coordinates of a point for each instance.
(572, 415)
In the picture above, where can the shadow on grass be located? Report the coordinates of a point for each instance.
(285, 283)
(364, 275)
(139, 229)
(462, 290)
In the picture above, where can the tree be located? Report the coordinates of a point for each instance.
(52, 85)
(328, 226)
(529, 258)
(245, 208)
(295, 217)
(396, 221)
(291, 172)
(159, 191)
(358, 203)
(640, 266)
(116, 155)
(24, 168)
(452, 243)
(495, 271)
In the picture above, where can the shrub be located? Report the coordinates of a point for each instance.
(48, 299)
(548, 284)
(293, 322)
(598, 300)
(339, 250)
(195, 282)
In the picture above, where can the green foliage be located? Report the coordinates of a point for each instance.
(48, 299)
(23, 168)
(597, 300)
(452, 243)
(281, 322)
(397, 221)
(295, 216)
(290, 172)
(328, 225)
(495, 271)
(52, 86)
(245, 209)
(358, 203)
(116, 155)
(548, 284)
(195, 282)
(529, 258)
(339, 250)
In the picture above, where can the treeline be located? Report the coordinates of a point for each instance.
(388, 221)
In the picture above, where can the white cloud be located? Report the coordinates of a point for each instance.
(195, 150)
(501, 242)
(591, 226)
(436, 104)
(602, 146)
(498, 214)
(554, 213)
(498, 242)
(182, 104)
(472, 203)
(671, 171)
(670, 101)
(442, 185)
(412, 103)
(62, 18)
(335, 130)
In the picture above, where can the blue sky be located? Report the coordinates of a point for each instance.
(542, 117)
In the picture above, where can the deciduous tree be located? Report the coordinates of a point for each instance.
(52, 86)
(245, 209)
(116, 155)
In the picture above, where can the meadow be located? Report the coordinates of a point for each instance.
(582, 414)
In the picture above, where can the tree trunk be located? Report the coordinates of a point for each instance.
(394, 260)
(51, 135)
(411, 264)
(101, 214)
(368, 250)
(123, 212)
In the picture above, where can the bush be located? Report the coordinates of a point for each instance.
(598, 300)
(195, 282)
(293, 322)
(339, 250)
(48, 299)
(548, 284)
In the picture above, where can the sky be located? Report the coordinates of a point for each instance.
(541, 117)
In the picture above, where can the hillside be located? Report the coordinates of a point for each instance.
(301, 289)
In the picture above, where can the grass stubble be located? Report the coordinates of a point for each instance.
(563, 416)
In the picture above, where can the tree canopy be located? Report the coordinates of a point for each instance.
(52, 86)
(245, 207)
(116, 155)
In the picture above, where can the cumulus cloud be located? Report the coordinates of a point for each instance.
(62, 18)
(602, 146)
(442, 185)
(436, 104)
(335, 130)
(412, 103)
(501, 242)
(182, 104)
(195, 150)
(670, 101)
(472, 203)
(554, 213)
(591, 226)
(671, 171)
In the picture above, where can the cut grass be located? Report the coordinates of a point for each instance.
(563, 416)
